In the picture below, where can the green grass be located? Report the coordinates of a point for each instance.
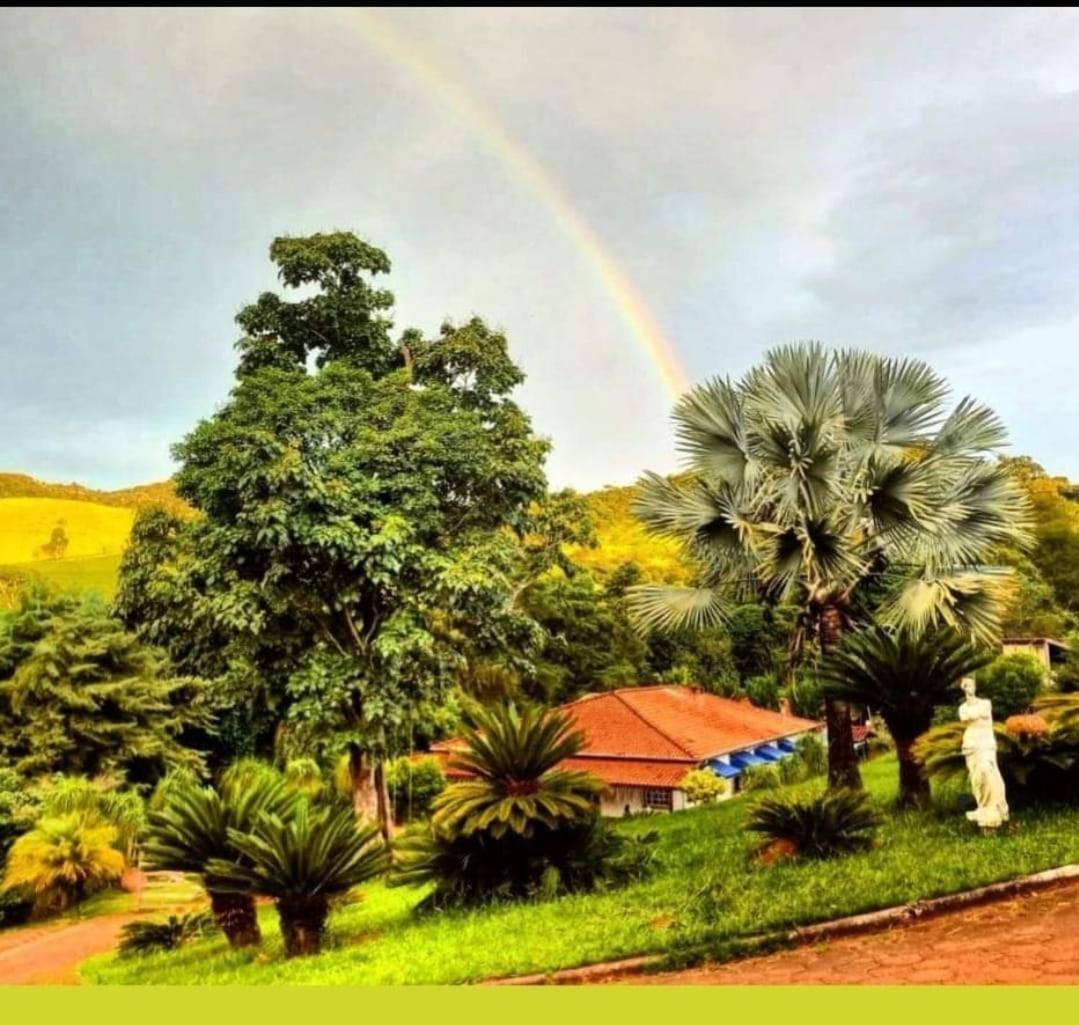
(706, 892)
(95, 573)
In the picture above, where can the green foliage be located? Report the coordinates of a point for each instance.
(701, 786)
(810, 748)
(62, 860)
(80, 695)
(139, 938)
(511, 757)
(763, 691)
(97, 801)
(793, 768)
(413, 786)
(19, 807)
(761, 777)
(1011, 682)
(479, 868)
(806, 696)
(301, 861)
(304, 776)
(1038, 755)
(759, 637)
(823, 826)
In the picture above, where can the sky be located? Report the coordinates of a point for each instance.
(640, 199)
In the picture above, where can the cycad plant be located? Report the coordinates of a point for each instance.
(511, 758)
(171, 934)
(194, 829)
(839, 483)
(301, 861)
(904, 675)
(62, 860)
(822, 826)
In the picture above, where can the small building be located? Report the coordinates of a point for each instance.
(641, 741)
(1049, 652)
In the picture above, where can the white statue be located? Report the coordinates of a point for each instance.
(980, 751)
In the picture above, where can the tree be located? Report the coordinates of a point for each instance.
(81, 695)
(362, 503)
(1011, 682)
(57, 544)
(838, 483)
(905, 676)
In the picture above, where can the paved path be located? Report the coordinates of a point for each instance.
(1031, 939)
(50, 954)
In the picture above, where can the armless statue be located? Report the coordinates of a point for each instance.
(980, 751)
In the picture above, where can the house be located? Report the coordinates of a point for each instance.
(1046, 650)
(641, 741)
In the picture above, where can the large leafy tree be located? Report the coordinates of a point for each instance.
(838, 482)
(362, 502)
(80, 694)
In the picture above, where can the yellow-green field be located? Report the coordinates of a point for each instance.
(96, 573)
(92, 529)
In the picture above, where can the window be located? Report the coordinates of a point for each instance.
(660, 800)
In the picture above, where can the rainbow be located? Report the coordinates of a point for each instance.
(408, 54)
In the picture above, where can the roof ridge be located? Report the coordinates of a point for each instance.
(651, 725)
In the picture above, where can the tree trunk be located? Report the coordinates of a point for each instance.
(303, 921)
(842, 761)
(235, 916)
(913, 782)
(370, 794)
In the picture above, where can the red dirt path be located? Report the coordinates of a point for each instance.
(50, 954)
(1030, 939)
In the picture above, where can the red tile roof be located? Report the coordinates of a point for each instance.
(653, 736)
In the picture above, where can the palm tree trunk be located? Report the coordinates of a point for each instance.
(370, 793)
(842, 761)
(303, 921)
(234, 914)
(913, 783)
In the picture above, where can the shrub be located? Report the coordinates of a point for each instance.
(171, 934)
(810, 748)
(63, 860)
(1038, 754)
(99, 800)
(702, 786)
(806, 697)
(413, 786)
(301, 862)
(761, 777)
(763, 691)
(304, 776)
(792, 769)
(478, 868)
(833, 823)
(1011, 682)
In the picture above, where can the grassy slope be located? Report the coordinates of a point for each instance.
(92, 529)
(379, 941)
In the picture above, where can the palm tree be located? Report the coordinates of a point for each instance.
(194, 828)
(301, 861)
(834, 481)
(511, 757)
(904, 675)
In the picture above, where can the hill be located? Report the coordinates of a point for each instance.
(161, 493)
(622, 539)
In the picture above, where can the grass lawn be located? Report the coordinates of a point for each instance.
(704, 892)
(97, 573)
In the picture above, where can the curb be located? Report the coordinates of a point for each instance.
(851, 925)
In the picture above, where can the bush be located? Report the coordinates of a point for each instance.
(19, 808)
(761, 777)
(479, 868)
(806, 697)
(702, 786)
(1038, 754)
(763, 691)
(810, 748)
(413, 786)
(1011, 682)
(304, 776)
(833, 823)
(792, 769)
(98, 801)
(176, 931)
(63, 860)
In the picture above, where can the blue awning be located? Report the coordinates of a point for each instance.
(723, 770)
(770, 753)
(786, 744)
(744, 759)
